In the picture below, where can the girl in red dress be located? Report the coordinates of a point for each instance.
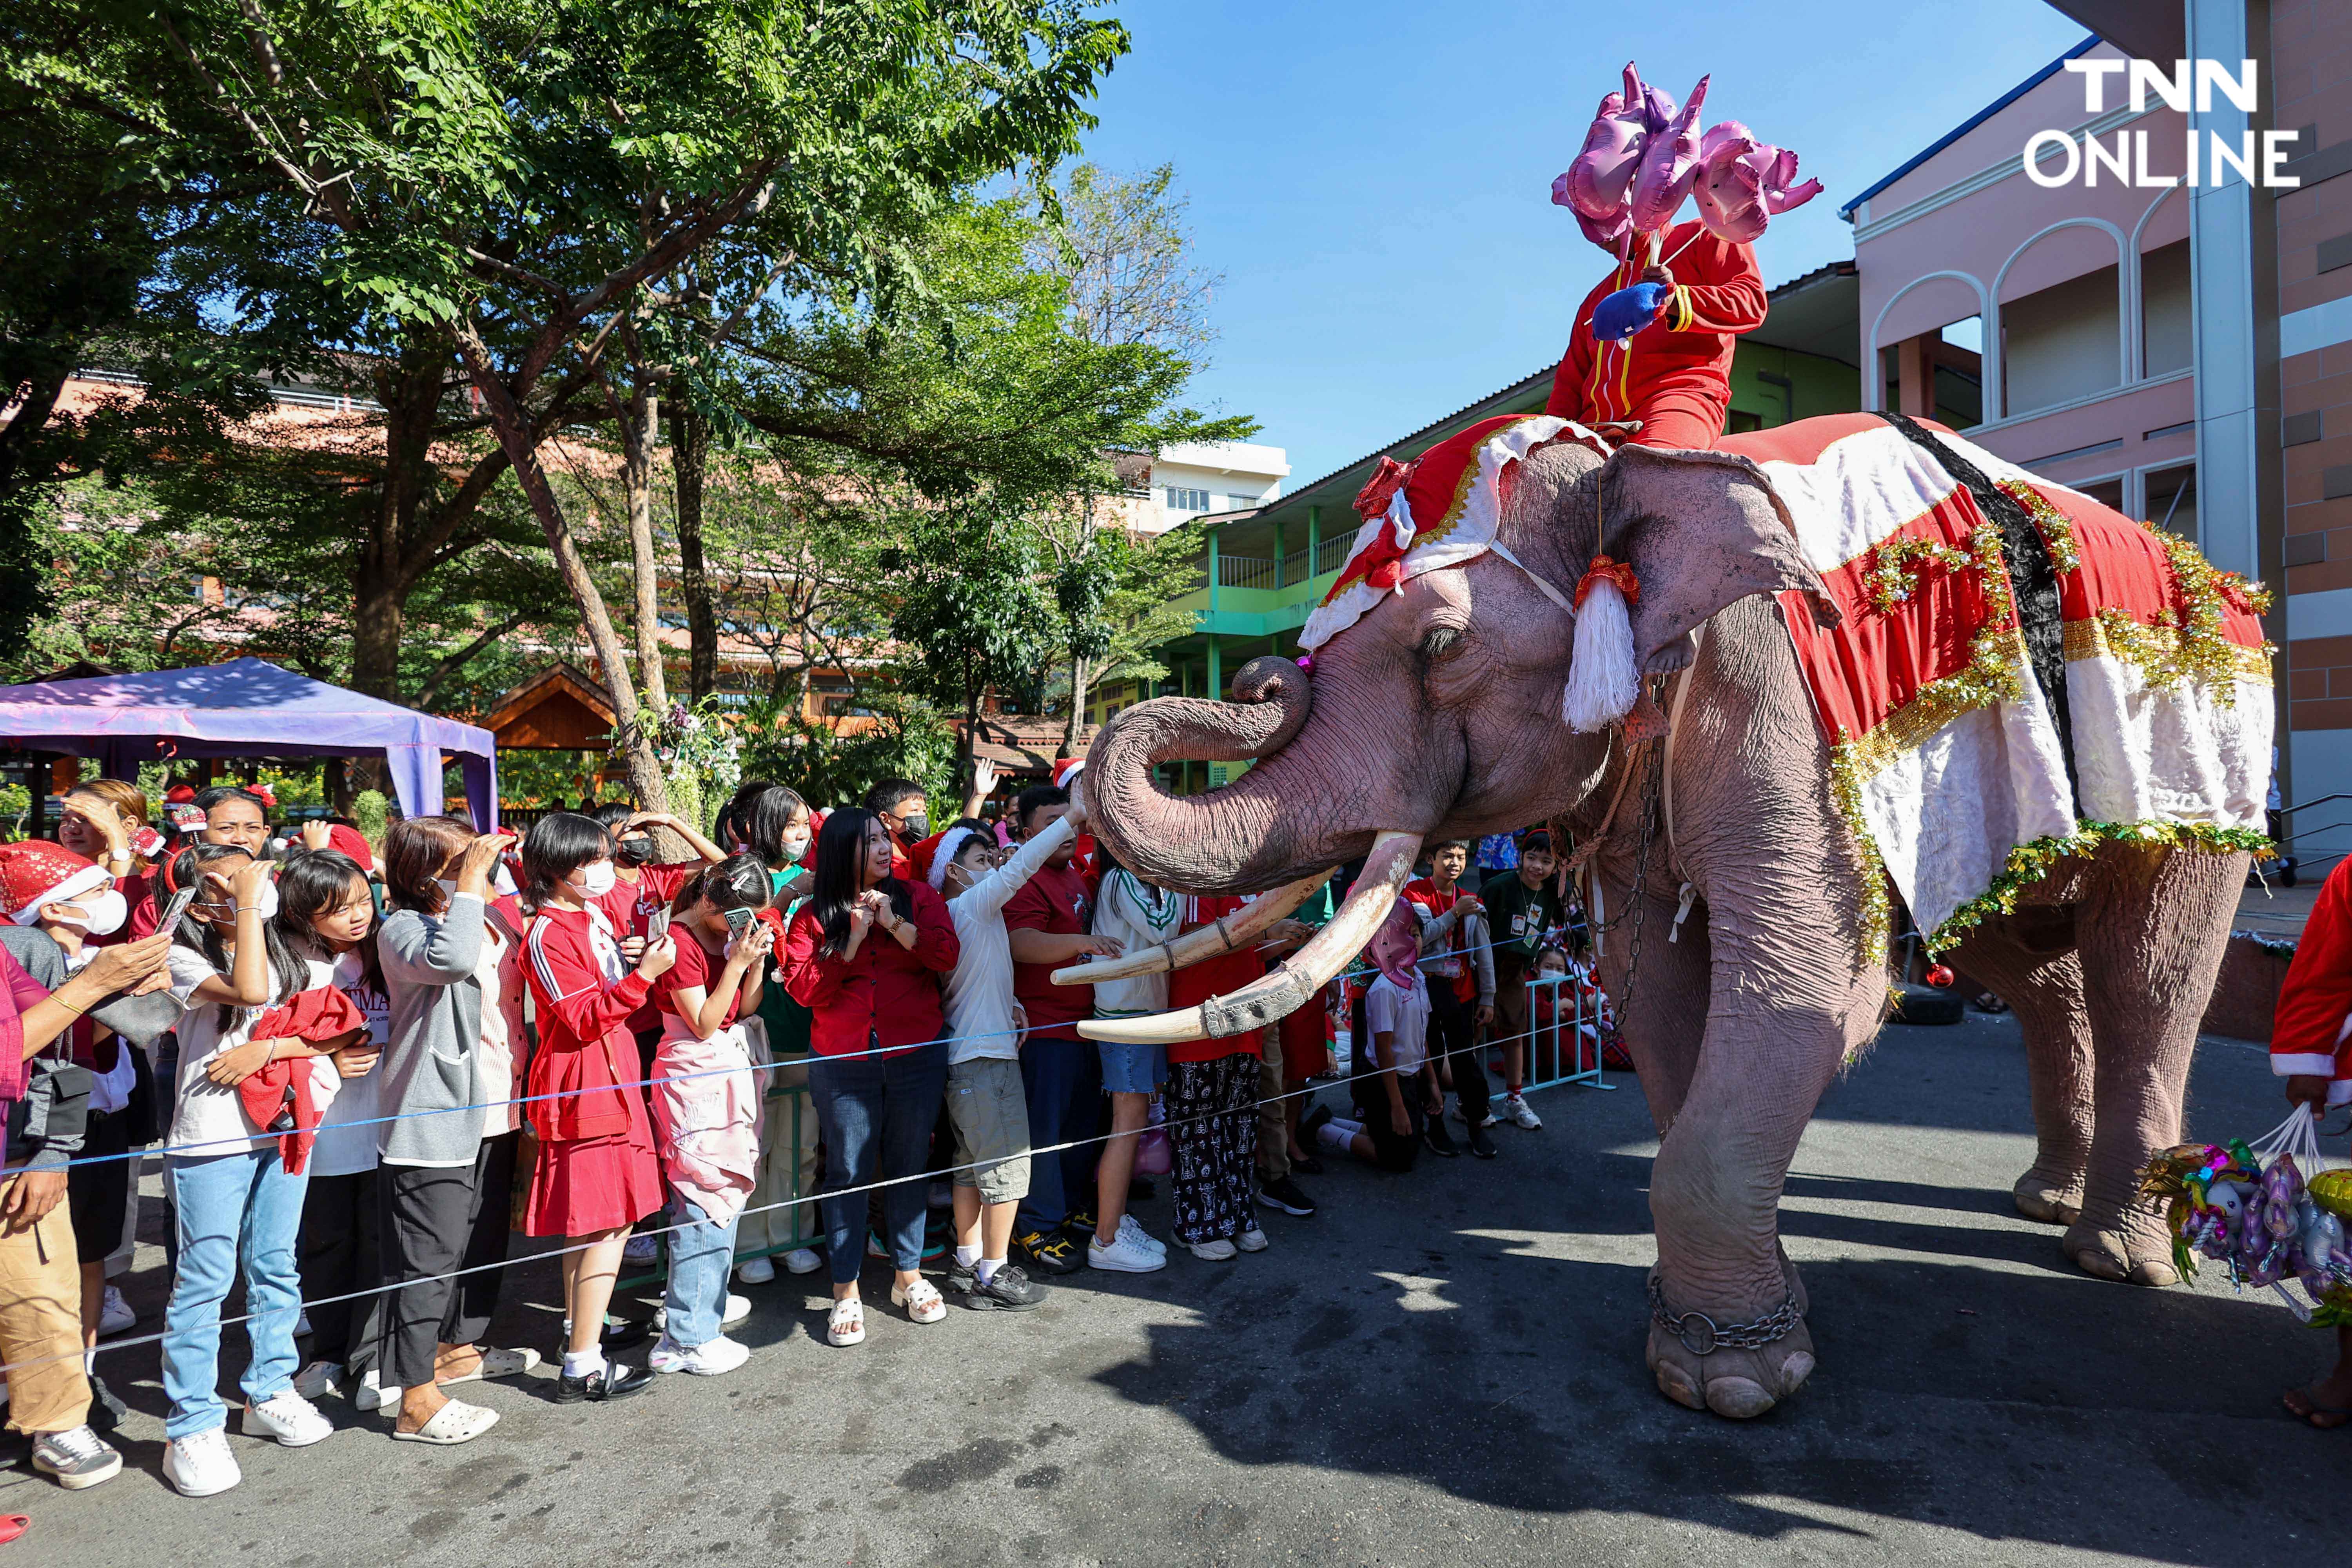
(596, 1174)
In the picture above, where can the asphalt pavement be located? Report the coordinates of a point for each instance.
(1443, 1367)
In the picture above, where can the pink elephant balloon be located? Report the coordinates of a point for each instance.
(1669, 167)
(1595, 185)
(1742, 182)
(1656, 109)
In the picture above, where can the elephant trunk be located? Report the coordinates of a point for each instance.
(1260, 830)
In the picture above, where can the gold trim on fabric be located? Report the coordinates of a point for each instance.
(2161, 645)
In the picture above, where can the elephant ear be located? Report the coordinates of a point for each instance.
(1702, 530)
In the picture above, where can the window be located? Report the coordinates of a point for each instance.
(2172, 499)
(2059, 345)
(1182, 499)
(1743, 422)
(2163, 308)
(1240, 503)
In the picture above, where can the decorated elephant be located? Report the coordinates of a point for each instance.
(1771, 812)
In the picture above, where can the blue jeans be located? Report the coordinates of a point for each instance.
(876, 1111)
(1064, 1079)
(699, 1257)
(235, 1212)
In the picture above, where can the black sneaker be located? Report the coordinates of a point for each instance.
(1007, 1290)
(1438, 1139)
(1080, 1227)
(1285, 1195)
(1481, 1144)
(612, 1381)
(1050, 1255)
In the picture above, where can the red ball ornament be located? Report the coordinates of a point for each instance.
(1940, 975)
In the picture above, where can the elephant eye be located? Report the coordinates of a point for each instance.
(1440, 641)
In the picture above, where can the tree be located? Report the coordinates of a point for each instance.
(971, 609)
(520, 171)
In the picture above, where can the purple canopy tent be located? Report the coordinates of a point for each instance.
(245, 708)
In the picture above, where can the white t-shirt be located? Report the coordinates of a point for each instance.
(1140, 916)
(345, 1150)
(208, 1118)
(1389, 1009)
(977, 995)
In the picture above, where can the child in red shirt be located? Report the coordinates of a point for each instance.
(1459, 963)
(596, 1175)
(865, 955)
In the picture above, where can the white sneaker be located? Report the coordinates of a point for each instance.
(1131, 1229)
(641, 1249)
(1250, 1240)
(1124, 1256)
(200, 1464)
(1518, 1111)
(800, 1261)
(318, 1379)
(287, 1419)
(115, 1314)
(755, 1271)
(720, 1356)
(371, 1394)
(1217, 1251)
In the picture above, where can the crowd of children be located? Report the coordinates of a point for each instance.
(370, 1065)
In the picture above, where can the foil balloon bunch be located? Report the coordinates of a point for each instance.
(1643, 155)
(2254, 1211)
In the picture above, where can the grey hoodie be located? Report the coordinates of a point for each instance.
(431, 1060)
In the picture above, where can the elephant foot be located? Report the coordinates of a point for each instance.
(2123, 1250)
(2052, 1199)
(1737, 1383)
(1731, 1382)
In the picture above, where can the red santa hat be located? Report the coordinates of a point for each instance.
(923, 852)
(1067, 769)
(349, 841)
(36, 872)
(180, 795)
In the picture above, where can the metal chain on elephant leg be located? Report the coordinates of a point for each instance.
(1702, 1335)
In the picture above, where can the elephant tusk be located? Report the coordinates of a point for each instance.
(1224, 935)
(1281, 992)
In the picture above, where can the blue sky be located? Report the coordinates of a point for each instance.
(1373, 178)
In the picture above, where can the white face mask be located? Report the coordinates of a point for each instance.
(266, 903)
(99, 914)
(594, 879)
(795, 846)
(449, 885)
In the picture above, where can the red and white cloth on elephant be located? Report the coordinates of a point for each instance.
(1945, 752)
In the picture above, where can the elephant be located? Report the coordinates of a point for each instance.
(1436, 715)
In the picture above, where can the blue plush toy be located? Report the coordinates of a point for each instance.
(1628, 310)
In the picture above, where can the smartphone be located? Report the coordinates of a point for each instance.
(657, 927)
(175, 909)
(740, 921)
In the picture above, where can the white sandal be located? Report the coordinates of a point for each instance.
(846, 1326)
(455, 1421)
(495, 1361)
(921, 1301)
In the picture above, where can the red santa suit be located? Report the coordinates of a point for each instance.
(2310, 1033)
(1674, 374)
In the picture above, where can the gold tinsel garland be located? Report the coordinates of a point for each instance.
(1898, 566)
(2057, 528)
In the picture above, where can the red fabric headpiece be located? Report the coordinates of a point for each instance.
(1373, 499)
(1617, 572)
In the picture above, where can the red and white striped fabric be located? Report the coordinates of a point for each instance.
(2171, 713)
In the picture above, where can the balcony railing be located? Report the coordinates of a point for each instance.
(1332, 553)
(1248, 572)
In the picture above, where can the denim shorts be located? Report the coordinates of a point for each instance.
(1130, 1069)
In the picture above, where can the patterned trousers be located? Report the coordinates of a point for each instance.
(1212, 1124)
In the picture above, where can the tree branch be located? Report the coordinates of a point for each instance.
(427, 693)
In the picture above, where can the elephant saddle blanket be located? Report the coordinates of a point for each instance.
(2019, 671)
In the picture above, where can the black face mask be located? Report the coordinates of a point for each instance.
(636, 851)
(917, 826)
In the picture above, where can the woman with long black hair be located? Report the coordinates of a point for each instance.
(865, 955)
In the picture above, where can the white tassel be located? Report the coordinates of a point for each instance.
(1602, 682)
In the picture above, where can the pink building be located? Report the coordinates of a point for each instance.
(2182, 352)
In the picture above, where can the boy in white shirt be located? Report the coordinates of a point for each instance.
(986, 1103)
